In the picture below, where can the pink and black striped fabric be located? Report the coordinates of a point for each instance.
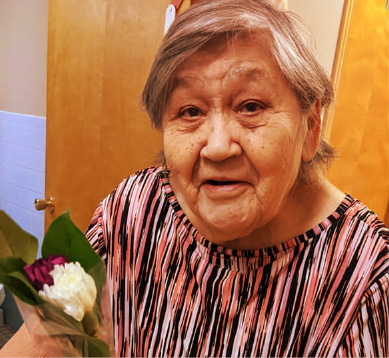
(323, 293)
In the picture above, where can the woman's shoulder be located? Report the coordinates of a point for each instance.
(358, 216)
(139, 178)
(351, 223)
(361, 238)
(129, 201)
(136, 186)
(139, 186)
(354, 227)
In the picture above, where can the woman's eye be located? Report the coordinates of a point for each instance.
(190, 112)
(251, 107)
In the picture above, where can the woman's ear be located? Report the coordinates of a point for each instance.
(312, 135)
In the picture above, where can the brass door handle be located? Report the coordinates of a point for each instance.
(41, 204)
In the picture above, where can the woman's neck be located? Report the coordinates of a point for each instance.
(306, 206)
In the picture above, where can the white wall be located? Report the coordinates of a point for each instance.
(23, 54)
(22, 168)
(323, 18)
(23, 66)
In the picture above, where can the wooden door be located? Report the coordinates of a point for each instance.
(99, 55)
(358, 124)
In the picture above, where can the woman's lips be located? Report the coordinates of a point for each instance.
(222, 182)
(223, 189)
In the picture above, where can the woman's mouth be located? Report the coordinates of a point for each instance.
(223, 189)
(221, 182)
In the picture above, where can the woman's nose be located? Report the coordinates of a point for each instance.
(221, 141)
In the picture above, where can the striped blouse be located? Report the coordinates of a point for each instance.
(173, 293)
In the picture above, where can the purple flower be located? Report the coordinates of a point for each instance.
(39, 271)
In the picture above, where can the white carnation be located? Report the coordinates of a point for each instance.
(73, 290)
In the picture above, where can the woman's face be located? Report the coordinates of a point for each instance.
(234, 138)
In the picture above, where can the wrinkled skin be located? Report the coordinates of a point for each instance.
(234, 139)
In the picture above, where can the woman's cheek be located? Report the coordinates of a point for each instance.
(178, 157)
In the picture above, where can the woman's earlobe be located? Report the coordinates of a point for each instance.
(312, 136)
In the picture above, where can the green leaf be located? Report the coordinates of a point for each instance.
(15, 242)
(56, 320)
(96, 348)
(98, 272)
(11, 264)
(13, 277)
(28, 289)
(91, 322)
(65, 238)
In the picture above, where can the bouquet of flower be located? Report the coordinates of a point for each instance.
(62, 297)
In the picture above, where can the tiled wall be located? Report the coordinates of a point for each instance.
(22, 169)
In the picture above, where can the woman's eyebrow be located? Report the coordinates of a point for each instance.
(183, 82)
(249, 74)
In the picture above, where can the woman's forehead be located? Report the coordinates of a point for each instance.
(247, 58)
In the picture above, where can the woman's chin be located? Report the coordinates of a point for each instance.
(223, 223)
(228, 233)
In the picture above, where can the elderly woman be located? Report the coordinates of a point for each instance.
(238, 245)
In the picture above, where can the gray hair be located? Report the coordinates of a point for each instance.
(290, 44)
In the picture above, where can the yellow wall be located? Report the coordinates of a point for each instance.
(23, 52)
(359, 127)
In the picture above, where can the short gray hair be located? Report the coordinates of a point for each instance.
(290, 44)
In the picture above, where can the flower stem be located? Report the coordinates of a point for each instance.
(90, 323)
